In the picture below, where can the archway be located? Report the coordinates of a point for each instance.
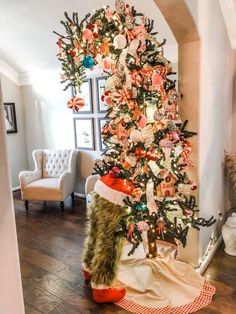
(184, 29)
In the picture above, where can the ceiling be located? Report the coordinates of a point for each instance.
(26, 28)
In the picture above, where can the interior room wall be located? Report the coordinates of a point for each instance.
(11, 300)
(16, 144)
(215, 109)
(233, 134)
(207, 102)
(49, 123)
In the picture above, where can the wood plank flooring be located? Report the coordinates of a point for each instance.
(50, 247)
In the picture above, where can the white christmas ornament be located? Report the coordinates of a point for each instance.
(154, 167)
(151, 204)
(229, 235)
(136, 136)
(133, 47)
(178, 150)
(120, 41)
(150, 112)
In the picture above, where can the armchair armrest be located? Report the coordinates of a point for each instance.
(65, 179)
(26, 177)
(90, 183)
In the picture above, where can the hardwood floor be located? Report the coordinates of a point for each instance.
(50, 247)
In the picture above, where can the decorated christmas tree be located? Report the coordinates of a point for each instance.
(148, 147)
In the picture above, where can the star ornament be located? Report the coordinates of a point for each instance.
(76, 103)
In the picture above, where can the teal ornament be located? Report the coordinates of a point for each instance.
(140, 207)
(88, 62)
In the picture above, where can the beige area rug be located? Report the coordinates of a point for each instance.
(161, 285)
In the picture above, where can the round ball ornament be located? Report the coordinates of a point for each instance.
(140, 207)
(157, 79)
(120, 41)
(87, 35)
(140, 152)
(88, 62)
(135, 136)
(142, 121)
(158, 115)
(175, 136)
(114, 172)
(107, 62)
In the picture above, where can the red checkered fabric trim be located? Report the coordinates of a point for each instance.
(139, 309)
(201, 301)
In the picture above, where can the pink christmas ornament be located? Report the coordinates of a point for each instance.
(114, 172)
(87, 35)
(157, 79)
(136, 136)
(142, 122)
(175, 137)
(142, 226)
(107, 63)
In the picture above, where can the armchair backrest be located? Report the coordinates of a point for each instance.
(53, 163)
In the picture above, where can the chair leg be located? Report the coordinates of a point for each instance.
(62, 206)
(26, 205)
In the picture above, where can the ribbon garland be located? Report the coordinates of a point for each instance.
(185, 154)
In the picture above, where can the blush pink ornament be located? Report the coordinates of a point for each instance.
(87, 35)
(157, 79)
(175, 137)
(142, 122)
(107, 63)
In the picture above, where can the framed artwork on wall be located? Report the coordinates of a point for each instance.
(86, 94)
(10, 117)
(84, 133)
(100, 84)
(101, 123)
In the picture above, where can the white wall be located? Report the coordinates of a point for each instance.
(233, 133)
(11, 298)
(49, 123)
(215, 108)
(16, 144)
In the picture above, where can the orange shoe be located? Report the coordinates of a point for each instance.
(108, 295)
(87, 275)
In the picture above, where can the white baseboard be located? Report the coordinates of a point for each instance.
(202, 268)
(80, 195)
(16, 188)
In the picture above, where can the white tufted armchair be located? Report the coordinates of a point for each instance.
(53, 178)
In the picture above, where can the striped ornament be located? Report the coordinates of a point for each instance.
(122, 96)
(76, 103)
(185, 154)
